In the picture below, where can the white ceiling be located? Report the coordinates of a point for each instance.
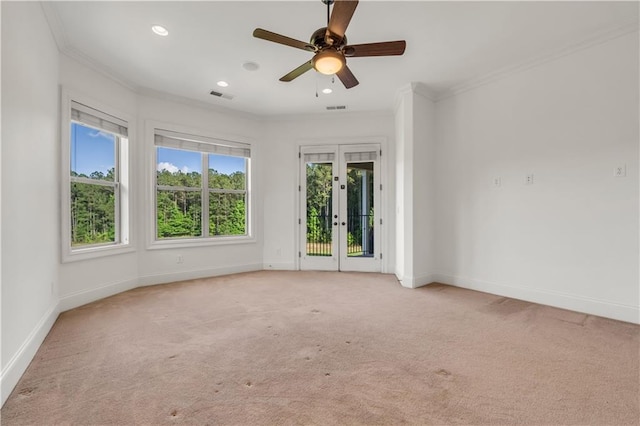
(449, 45)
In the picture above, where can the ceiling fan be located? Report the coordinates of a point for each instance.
(329, 45)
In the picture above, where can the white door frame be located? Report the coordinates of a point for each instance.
(339, 259)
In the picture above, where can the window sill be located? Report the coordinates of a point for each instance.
(79, 254)
(199, 242)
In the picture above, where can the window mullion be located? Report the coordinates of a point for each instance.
(99, 182)
(178, 188)
(117, 191)
(227, 191)
(205, 195)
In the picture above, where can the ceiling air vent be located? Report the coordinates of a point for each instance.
(220, 95)
(335, 107)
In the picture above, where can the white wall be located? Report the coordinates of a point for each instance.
(424, 189)
(87, 280)
(30, 195)
(415, 186)
(571, 238)
(281, 168)
(160, 265)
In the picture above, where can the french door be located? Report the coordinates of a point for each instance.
(339, 208)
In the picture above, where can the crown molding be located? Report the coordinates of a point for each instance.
(61, 40)
(499, 74)
(55, 25)
(156, 94)
(59, 35)
(329, 116)
(418, 88)
(100, 68)
(424, 91)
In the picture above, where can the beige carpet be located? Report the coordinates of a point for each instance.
(327, 348)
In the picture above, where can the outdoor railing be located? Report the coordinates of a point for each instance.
(359, 235)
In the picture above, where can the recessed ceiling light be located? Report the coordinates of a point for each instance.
(222, 83)
(160, 30)
(326, 91)
(250, 66)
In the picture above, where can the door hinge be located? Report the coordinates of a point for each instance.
(299, 221)
(299, 155)
(299, 188)
(299, 254)
(380, 255)
(380, 221)
(380, 187)
(380, 153)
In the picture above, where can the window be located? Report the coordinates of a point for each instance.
(202, 187)
(95, 187)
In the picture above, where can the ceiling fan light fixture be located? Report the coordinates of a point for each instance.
(328, 62)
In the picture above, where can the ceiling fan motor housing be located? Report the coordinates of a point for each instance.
(318, 39)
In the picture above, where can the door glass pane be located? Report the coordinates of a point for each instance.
(360, 214)
(319, 209)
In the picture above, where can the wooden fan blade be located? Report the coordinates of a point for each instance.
(347, 78)
(297, 72)
(287, 41)
(385, 48)
(340, 18)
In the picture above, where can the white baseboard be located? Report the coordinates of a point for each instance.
(572, 302)
(87, 296)
(153, 279)
(279, 266)
(18, 364)
(415, 282)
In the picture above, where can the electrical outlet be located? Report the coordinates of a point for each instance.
(497, 181)
(180, 259)
(528, 179)
(620, 171)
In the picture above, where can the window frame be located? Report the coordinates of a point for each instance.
(205, 239)
(124, 237)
